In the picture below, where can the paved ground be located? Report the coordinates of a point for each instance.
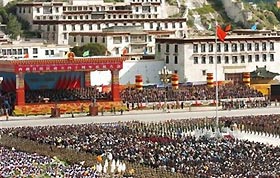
(148, 116)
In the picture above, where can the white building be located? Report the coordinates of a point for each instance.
(134, 41)
(56, 20)
(193, 58)
(31, 49)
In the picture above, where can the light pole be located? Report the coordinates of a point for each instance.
(165, 74)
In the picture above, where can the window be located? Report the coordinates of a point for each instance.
(202, 48)
(38, 10)
(64, 27)
(250, 58)
(82, 39)
(54, 28)
(233, 47)
(226, 47)
(256, 46)
(234, 60)
(167, 59)
(173, 25)
(195, 60)
(203, 60)
(166, 25)
(226, 60)
(195, 48)
(98, 26)
(242, 47)
(73, 27)
(219, 60)
(175, 59)
(271, 57)
(117, 50)
(95, 39)
(167, 48)
(81, 27)
(211, 61)
(271, 46)
(264, 46)
(155, 9)
(249, 46)
(242, 57)
(219, 47)
(46, 52)
(25, 51)
(65, 36)
(35, 50)
(210, 47)
(180, 25)
(176, 48)
(203, 72)
(52, 52)
(9, 51)
(20, 51)
(90, 39)
(48, 28)
(74, 39)
(257, 58)
(150, 38)
(264, 57)
(137, 9)
(103, 39)
(14, 52)
(151, 25)
(158, 48)
(4, 51)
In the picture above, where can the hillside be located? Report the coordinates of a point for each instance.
(240, 14)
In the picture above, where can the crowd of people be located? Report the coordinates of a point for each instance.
(166, 145)
(196, 92)
(16, 163)
(77, 94)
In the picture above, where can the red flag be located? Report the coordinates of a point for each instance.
(26, 55)
(228, 28)
(221, 34)
(124, 51)
(58, 83)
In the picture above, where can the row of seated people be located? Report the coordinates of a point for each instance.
(198, 92)
(154, 145)
(89, 93)
(131, 95)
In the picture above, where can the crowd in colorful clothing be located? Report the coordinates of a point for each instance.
(16, 163)
(166, 145)
(199, 92)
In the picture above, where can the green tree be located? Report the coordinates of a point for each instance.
(13, 27)
(95, 49)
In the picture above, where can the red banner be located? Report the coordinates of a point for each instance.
(68, 67)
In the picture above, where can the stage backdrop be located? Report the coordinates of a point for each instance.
(35, 81)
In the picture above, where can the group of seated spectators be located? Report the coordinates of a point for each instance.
(165, 145)
(77, 94)
(196, 92)
(132, 95)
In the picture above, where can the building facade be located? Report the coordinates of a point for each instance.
(193, 58)
(132, 41)
(32, 49)
(56, 20)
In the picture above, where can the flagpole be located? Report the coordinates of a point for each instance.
(216, 76)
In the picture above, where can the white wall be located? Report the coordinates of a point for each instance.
(148, 69)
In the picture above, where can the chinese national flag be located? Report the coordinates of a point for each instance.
(221, 34)
(26, 55)
(228, 28)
